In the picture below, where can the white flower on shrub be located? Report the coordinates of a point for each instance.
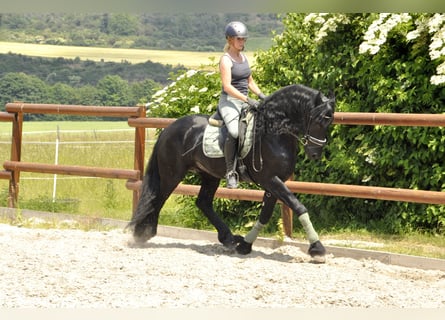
(195, 109)
(187, 74)
(328, 22)
(159, 93)
(378, 31)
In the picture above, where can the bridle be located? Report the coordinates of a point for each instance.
(308, 139)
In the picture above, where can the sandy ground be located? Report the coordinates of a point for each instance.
(69, 268)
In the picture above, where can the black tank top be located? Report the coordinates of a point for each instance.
(240, 73)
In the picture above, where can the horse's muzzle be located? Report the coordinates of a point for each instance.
(313, 152)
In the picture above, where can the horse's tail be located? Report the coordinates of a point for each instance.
(145, 219)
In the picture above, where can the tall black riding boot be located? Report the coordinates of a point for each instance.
(230, 148)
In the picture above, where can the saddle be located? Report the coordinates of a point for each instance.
(215, 134)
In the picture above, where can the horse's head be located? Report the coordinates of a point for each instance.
(320, 118)
(301, 112)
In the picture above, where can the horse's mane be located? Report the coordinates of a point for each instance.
(287, 110)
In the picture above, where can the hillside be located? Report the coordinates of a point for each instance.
(79, 72)
(187, 31)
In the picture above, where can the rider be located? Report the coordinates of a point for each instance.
(236, 78)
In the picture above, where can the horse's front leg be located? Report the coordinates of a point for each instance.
(245, 245)
(282, 192)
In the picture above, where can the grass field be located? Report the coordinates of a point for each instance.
(188, 59)
(99, 144)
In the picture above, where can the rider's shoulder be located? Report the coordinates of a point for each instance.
(226, 59)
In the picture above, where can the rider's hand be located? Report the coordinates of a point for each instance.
(261, 96)
(252, 102)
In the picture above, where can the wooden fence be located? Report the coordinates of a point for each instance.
(137, 119)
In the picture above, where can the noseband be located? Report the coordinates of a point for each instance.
(309, 139)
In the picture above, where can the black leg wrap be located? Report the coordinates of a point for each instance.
(316, 249)
(244, 247)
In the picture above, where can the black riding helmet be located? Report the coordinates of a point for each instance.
(236, 29)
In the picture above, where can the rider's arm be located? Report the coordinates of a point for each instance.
(253, 86)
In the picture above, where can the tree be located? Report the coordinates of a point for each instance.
(142, 91)
(61, 93)
(21, 87)
(114, 91)
(123, 24)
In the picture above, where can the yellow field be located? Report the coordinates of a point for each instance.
(188, 59)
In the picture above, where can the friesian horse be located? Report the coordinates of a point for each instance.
(294, 114)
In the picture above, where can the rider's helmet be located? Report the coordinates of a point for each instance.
(236, 29)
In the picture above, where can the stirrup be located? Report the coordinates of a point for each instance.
(232, 179)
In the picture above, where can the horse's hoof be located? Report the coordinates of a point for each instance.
(238, 238)
(317, 251)
(229, 246)
(244, 247)
(142, 234)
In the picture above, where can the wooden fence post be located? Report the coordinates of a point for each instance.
(139, 153)
(287, 216)
(16, 151)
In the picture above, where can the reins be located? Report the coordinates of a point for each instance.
(253, 149)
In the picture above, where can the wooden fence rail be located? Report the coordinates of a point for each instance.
(136, 118)
(14, 166)
(71, 170)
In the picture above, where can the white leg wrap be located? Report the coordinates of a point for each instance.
(307, 225)
(253, 234)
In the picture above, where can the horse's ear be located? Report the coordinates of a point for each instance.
(319, 98)
(331, 94)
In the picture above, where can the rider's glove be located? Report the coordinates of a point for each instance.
(252, 102)
(261, 96)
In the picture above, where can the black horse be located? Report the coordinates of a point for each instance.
(291, 115)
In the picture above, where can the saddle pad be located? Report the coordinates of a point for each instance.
(213, 139)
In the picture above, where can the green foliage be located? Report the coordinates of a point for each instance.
(396, 79)
(75, 82)
(112, 90)
(122, 24)
(190, 92)
(21, 87)
(76, 72)
(64, 81)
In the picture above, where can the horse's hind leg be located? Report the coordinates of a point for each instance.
(204, 202)
(245, 245)
(155, 191)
